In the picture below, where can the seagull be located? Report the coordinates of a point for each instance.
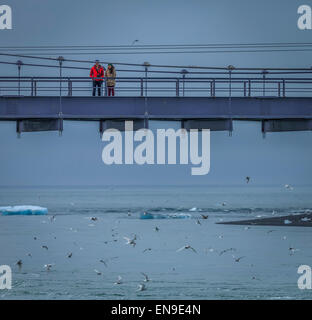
(247, 179)
(52, 218)
(45, 247)
(48, 266)
(204, 216)
(70, 255)
(141, 287)
(134, 41)
(147, 249)
(29, 254)
(19, 263)
(198, 222)
(93, 219)
(146, 278)
(270, 231)
(237, 259)
(292, 250)
(119, 280)
(131, 241)
(289, 187)
(104, 262)
(226, 250)
(186, 247)
(129, 213)
(107, 260)
(156, 229)
(246, 228)
(223, 204)
(97, 272)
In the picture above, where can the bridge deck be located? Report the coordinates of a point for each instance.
(165, 108)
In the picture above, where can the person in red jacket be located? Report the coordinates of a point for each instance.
(97, 75)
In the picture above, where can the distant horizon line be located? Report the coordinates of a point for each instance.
(147, 185)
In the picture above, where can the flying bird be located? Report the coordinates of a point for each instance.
(45, 247)
(146, 278)
(70, 255)
(19, 263)
(97, 272)
(48, 266)
(247, 179)
(204, 216)
(186, 248)
(226, 250)
(131, 241)
(237, 259)
(119, 280)
(289, 187)
(141, 287)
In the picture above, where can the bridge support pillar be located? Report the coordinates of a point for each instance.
(120, 125)
(35, 125)
(286, 125)
(212, 124)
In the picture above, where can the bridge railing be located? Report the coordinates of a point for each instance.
(225, 86)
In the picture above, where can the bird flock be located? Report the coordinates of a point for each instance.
(131, 240)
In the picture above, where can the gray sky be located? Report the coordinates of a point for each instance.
(75, 158)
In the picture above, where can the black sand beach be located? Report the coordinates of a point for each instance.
(298, 220)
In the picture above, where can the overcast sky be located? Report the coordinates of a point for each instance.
(75, 158)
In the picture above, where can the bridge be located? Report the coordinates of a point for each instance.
(280, 99)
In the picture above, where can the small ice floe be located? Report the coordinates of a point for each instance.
(305, 219)
(193, 209)
(146, 215)
(23, 210)
(286, 221)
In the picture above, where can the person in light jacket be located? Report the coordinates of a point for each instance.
(111, 75)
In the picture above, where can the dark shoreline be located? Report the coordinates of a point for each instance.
(295, 220)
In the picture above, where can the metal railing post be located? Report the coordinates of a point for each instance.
(279, 89)
(249, 88)
(284, 88)
(245, 89)
(32, 87)
(70, 89)
(35, 88)
(19, 66)
(146, 65)
(184, 72)
(264, 72)
(105, 87)
(177, 87)
(142, 87)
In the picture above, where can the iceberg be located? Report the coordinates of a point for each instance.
(23, 210)
(165, 216)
